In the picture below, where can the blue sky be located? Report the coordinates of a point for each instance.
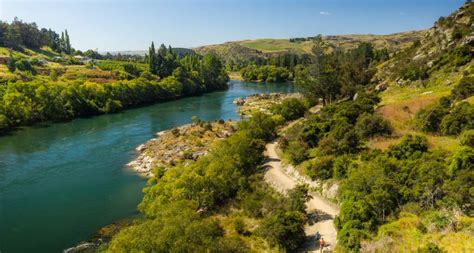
(133, 24)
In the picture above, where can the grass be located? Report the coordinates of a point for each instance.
(392, 42)
(399, 105)
(277, 45)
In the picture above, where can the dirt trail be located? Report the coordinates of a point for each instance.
(321, 211)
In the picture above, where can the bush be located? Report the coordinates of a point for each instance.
(429, 119)
(459, 119)
(11, 64)
(24, 65)
(284, 229)
(464, 89)
(409, 146)
(467, 138)
(290, 108)
(320, 167)
(370, 125)
(296, 151)
(131, 70)
(266, 73)
(341, 165)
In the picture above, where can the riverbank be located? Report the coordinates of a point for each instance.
(182, 144)
(261, 102)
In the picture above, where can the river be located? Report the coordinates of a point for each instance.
(60, 183)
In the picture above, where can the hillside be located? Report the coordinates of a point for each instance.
(252, 50)
(418, 76)
(399, 150)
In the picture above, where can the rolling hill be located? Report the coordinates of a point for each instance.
(248, 50)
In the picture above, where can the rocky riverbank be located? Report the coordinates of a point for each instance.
(261, 102)
(179, 145)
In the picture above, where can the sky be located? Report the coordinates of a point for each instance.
(113, 25)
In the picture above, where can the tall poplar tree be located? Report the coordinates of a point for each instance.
(67, 43)
(152, 60)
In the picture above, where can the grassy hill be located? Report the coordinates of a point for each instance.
(263, 48)
(442, 58)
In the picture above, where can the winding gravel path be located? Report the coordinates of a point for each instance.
(321, 211)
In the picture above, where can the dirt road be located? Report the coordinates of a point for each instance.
(321, 211)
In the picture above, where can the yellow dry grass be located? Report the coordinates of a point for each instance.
(400, 105)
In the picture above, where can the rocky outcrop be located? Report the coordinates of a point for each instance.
(179, 145)
(261, 102)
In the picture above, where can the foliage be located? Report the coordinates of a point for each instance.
(296, 151)
(372, 125)
(19, 34)
(179, 206)
(332, 131)
(464, 89)
(460, 118)
(83, 93)
(405, 174)
(429, 119)
(409, 146)
(290, 108)
(467, 138)
(285, 229)
(320, 168)
(266, 73)
(338, 74)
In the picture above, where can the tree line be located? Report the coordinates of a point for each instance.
(55, 97)
(18, 33)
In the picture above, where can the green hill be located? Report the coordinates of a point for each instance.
(251, 50)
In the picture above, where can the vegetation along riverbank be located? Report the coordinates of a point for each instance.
(45, 79)
(386, 193)
(375, 153)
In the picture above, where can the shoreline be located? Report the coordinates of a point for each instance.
(179, 145)
(146, 160)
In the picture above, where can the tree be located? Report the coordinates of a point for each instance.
(67, 43)
(370, 125)
(62, 43)
(290, 108)
(284, 229)
(152, 64)
(298, 196)
(461, 117)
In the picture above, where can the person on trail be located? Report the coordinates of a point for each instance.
(322, 243)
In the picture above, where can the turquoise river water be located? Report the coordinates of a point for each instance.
(60, 183)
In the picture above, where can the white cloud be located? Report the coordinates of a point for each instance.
(324, 13)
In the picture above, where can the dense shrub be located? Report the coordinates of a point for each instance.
(456, 57)
(24, 65)
(266, 73)
(320, 167)
(409, 146)
(290, 109)
(372, 125)
(284, 229)
(429, 119)
(341, 166)
(467, 138)
(460, 118)
(464, 89)
(296, 151)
